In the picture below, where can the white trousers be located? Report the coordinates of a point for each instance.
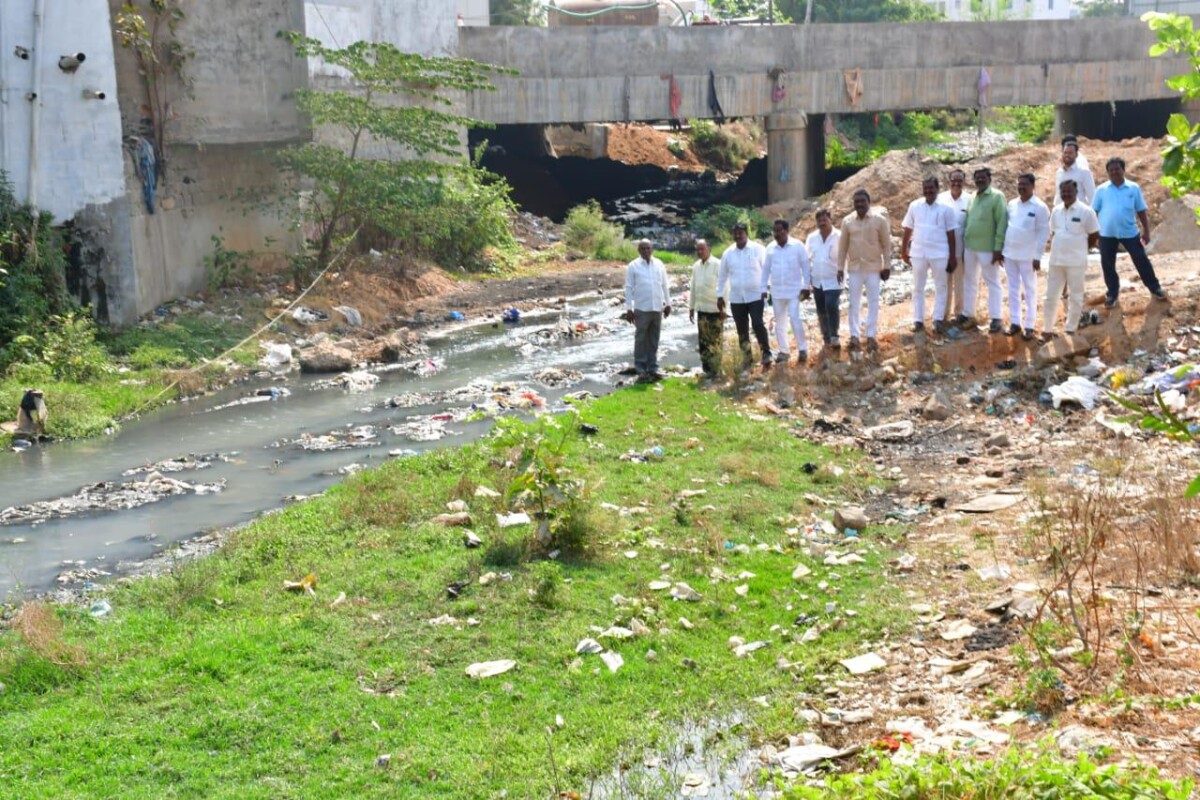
(1074, 276)
(979, 264)
(785, 310)
(1022, 285)
(856, 282)
(922, 269)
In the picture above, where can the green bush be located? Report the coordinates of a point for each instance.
(33, 287)
(714, 145)
(714, 222)
(68, 348)
(152, 356)
(547, 580)
(586, 230)
(1031, 124)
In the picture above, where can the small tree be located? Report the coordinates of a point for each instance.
(398, 102)
(1181, 157)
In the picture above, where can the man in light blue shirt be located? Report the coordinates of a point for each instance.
(1120, 206)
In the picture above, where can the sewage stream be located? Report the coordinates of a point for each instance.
(258, 461)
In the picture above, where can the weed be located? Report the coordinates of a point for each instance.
(41, 630)
(547, 582)
(227, 267)
(717, 145)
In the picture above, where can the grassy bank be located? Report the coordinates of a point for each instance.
(216, 682)
(93, 379)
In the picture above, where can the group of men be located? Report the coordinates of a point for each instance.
(955, 238)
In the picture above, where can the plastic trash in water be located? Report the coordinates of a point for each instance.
(851, 533)
(455, 316)
(511, 315)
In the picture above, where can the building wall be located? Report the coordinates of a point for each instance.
(78, 159)
(960, 10)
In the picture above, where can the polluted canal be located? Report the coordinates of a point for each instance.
(79, 512)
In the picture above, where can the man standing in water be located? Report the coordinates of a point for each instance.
(983, 239)
(740, 280)
(702, 301)
(647, 302)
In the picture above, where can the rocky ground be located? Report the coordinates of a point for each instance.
(1052, 562)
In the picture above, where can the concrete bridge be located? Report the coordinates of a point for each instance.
(1094, 70)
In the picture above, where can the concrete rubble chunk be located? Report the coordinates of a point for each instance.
(853, 517)
(326, 357)
(589, 646)
(861, 665)
(891, 431)
(937, 409)
(1061, 349)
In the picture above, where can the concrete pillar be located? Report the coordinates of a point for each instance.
(795, 156)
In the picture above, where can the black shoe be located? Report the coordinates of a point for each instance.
(961, 320)
(1159, 294)
(1109, 302)
(995, 327)
(1013, 329)
(918, 327)
(802, 357)
(939, 327)
(1027, 335)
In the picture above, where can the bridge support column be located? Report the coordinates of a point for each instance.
(795, 156)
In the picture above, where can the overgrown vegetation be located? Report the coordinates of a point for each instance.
(1030, 124)
(717, 145)
(217, 682)
(430, 203)
(715, 222)
(586, 231)
(1018, 774)
(33, 287)
(1181, 157)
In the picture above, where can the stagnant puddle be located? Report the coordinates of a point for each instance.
(77, 511)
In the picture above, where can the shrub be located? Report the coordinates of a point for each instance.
(547, 580)
(152, 356)
(713, 223)
(715, 145)
(586, 230)
(68, 347)
(1031, 124)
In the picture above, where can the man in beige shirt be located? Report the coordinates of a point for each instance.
(865, 257)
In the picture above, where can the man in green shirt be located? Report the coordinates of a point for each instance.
(983, 238)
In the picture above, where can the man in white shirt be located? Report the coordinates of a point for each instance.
(1024, 243)
(928, 245)
(740, 281)
(788, 275)
(822, 246)
(1072, 170)
(957, 199)
(647, 302)
(1075, 229)
(702, 301)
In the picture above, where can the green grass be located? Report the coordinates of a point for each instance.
(1031, 773)
(214, 682)
(184, 339)
(79, 410)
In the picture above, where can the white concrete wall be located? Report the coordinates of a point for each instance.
(79, 155)
(428, 27)
(474, 12)
(960, 10)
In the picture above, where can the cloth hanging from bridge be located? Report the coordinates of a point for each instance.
(854, 85)
(714, 104)
(674, 101)
(778, 88)
(984, 85)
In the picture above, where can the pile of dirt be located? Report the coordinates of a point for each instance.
(643, 144)
(894, 180)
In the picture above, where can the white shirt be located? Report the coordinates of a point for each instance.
(743, 270)
(1083, 179)
(1028, 229)
(960, 214)
(1071, 227)
(702, 293)
(787, 270)
(646, 287)
(822, 256)
(929, 223)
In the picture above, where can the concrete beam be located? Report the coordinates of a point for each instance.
(599, 74)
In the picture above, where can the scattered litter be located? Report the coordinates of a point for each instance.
(100, 608)
(681, 591)
(861, 665)
(307, 316)
(589, 646)
(352, 315)
(485, 491)
(1076, 389)
(612, 660)
(891, 431)
(306, 584)
(805, 759)
(454, 519)
(996, 572)
(512, 520)
(490, 669)
(958, 629)
(800, 572)
(989, 503)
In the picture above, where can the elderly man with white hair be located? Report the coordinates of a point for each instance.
(647, 302)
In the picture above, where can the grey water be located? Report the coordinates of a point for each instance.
(32, 556)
